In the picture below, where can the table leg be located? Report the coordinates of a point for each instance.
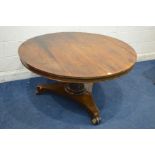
(77, 92)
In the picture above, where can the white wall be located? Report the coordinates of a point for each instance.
(141, 38)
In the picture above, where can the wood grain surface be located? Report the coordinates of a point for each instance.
(77, 57)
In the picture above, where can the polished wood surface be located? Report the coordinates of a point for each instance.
(77, 57)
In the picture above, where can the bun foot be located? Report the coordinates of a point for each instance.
(96, 120)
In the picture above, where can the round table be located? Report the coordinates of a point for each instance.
(76, 61)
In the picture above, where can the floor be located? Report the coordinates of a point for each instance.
(125, 103)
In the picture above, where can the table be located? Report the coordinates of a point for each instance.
(76, 61)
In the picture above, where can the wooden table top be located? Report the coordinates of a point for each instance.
(77, 57)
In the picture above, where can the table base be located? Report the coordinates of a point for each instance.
(77, 92)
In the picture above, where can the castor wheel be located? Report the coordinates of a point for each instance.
(96, 120)
(39, 90)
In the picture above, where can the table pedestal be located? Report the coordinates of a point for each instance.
(77, 92)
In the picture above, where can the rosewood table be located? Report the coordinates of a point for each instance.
(76, 61)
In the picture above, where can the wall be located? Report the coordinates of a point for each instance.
(141, 38)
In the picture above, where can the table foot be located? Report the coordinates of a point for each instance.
(76, 92)
(96, 120)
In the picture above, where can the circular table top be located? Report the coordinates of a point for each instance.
(77, 56)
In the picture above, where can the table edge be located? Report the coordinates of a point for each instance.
(75, 79)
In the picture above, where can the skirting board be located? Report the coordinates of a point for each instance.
(25, 74)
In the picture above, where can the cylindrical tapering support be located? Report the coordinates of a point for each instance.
(75, 88)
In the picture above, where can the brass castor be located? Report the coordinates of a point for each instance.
(96, 120)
